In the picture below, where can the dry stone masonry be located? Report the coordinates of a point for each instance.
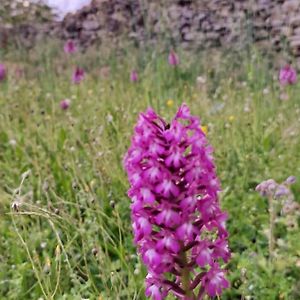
(271, 24)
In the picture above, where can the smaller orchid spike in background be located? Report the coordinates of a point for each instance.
(70, 47)
(173, 58)
(134, 76)
(65, 104)
(287, 75)
(2, 72)
(78, 75)
(178, 225)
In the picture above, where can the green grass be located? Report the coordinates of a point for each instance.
(71, 236)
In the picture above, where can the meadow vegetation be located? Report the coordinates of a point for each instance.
(64, 212)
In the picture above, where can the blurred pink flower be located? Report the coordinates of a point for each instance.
(2, 72)
(287, 75)
(19, 72)
(65, 104)
(70, 47)
(78, 75)
(173, 58)
(105, 72)
(134, 76)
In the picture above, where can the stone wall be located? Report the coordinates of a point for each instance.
(23, 21)
(271, 24)
(197, 24)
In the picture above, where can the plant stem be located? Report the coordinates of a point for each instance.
(185, 278)
(272, 225)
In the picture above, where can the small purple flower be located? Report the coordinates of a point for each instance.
(281, 191)
(134, 76)
(177, 222)
(287, 75)
(271, 188)
(266, 187)
(70, 47)
(290, 180)
(65, 104)
(78, 75)
(173, 58)
(2, 72)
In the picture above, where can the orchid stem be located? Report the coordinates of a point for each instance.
(185, 278)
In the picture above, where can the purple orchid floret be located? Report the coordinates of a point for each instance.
(214, 281)
(178, 225)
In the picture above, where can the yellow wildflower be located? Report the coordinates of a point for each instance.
(170, 102)
(48, 262)
(204, 128)
(231, 118)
